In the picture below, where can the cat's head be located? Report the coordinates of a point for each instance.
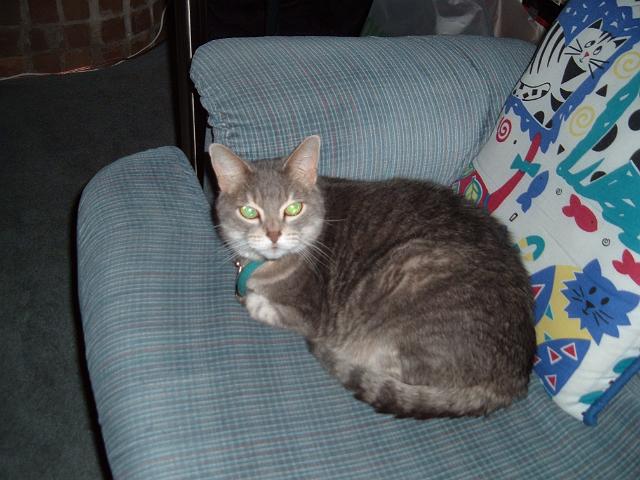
(598, 303)
(593, 47)
(271, 208)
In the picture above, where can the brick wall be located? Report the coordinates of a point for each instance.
(49, 36)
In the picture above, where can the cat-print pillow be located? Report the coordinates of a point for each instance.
(562, 170)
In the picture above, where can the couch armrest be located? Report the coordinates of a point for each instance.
(410, 106)
(147, 261)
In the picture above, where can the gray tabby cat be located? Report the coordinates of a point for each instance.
(411, 297)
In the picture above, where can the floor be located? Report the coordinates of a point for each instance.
(56, 132)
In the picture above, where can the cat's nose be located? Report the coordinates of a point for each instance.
(274, 235)
(589, 305)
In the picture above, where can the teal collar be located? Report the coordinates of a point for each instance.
(243, 275)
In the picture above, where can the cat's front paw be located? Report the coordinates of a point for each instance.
(261, 309)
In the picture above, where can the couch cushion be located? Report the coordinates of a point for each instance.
(562, 171)
(187, 386)
(413, 106)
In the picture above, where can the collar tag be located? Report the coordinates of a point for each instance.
(243, 275)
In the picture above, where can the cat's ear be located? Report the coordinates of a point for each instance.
(231, 170)
(302, 164)
(619, 41)
(597, 24)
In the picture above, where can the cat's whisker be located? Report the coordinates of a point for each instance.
(314, 257)
(317, 244)
(308, 260)
(601, 317)
(233, 246)
(313, 265)
(597, 318)
(605, 314)
(576, 49)
(319, 260)
(336, 220)
(229, 257)
(322, 250)
(579, 46)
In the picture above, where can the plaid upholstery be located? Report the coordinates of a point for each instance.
(411, 106)
(188, 387)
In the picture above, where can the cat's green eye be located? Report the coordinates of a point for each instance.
(293, 209)
(248, 212)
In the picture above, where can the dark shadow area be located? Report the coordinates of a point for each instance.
(83, 372)
(56, 133)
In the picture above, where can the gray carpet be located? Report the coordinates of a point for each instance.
(55, 134)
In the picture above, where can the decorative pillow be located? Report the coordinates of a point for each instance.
(562, 171)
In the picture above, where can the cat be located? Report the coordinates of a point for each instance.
(564, 67)
(412, 297)
(596, 301)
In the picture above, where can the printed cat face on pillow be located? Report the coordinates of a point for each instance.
(601, 307)
(560, 67)
(593, 47)
(265, 212)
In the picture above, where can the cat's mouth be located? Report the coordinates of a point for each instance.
(273, 252)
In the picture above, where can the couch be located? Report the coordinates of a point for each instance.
(188, 386)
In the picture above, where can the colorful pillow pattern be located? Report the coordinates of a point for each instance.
(562, 170)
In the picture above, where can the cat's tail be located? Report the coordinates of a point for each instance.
(387, 394)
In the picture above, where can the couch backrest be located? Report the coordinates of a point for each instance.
(405, 106)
